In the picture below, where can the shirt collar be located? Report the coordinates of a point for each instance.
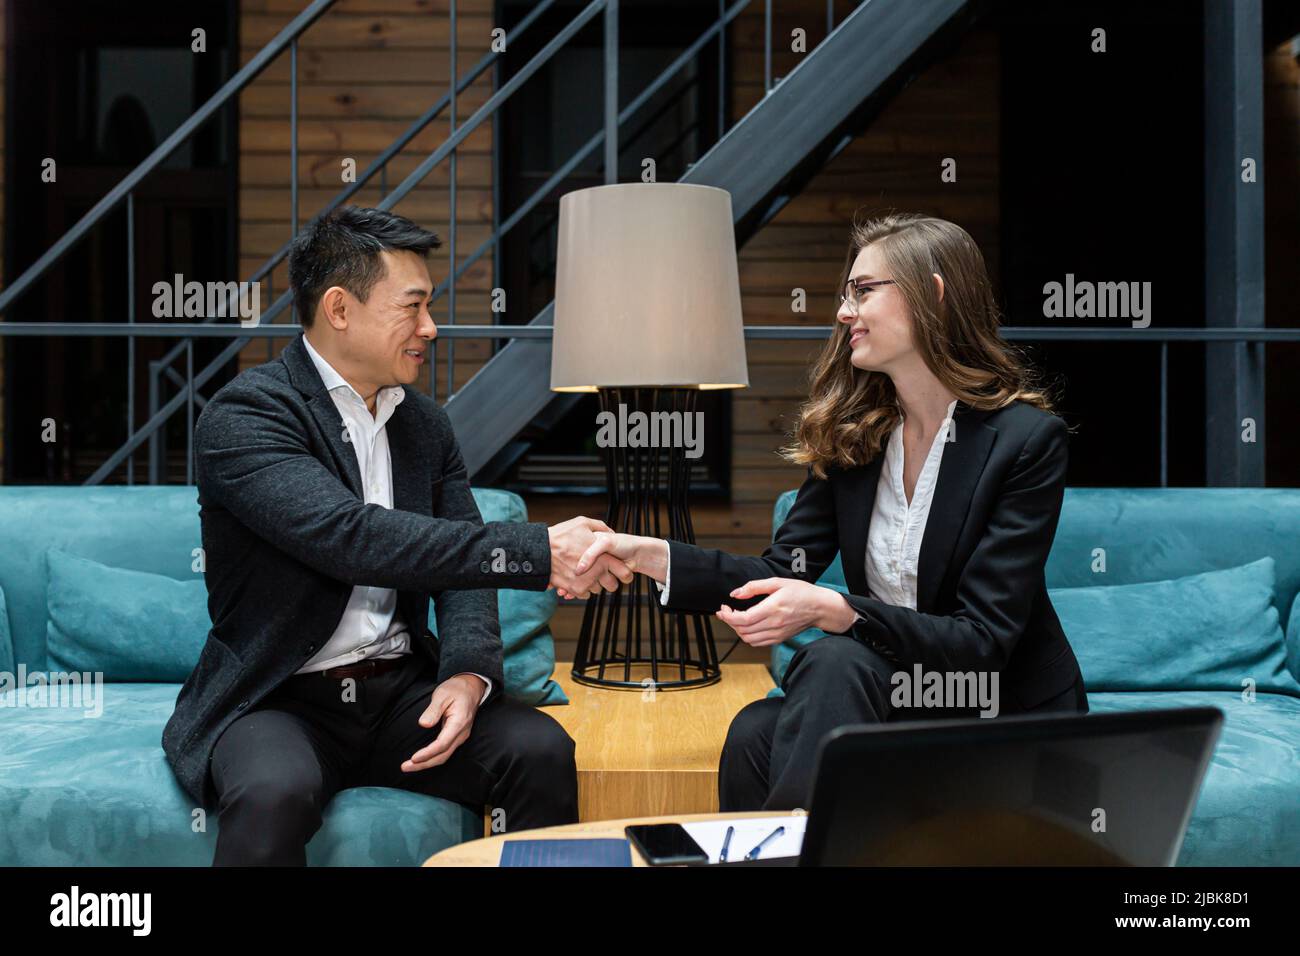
(390, 396)
(952, 408)
(894, 448)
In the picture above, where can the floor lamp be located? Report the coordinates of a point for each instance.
(647, 314)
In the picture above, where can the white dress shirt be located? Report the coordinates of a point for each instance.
(370, 626)
(897, 526)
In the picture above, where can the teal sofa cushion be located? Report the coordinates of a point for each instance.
(1148, 535)
(140, 527)
(529, 648)
(153, 528)
(127, 625)
(1208, 631)
(1248, 810)
(135, 625)
(6, 641)
(1158, 534)
(79, 790)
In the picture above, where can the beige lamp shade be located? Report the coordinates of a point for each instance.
(647, 291)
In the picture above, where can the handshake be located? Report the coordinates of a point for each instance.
(569, 543)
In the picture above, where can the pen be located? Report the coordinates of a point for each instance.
(722, 857)
(753, 854)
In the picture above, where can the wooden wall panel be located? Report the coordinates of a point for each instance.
(367, 68)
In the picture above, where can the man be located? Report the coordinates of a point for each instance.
(334, 503)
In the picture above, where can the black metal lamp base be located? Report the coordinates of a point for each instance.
(628, 639)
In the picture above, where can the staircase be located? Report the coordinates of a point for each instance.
(795, 130)
(762, 161)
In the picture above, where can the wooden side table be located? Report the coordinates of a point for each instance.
(487, 851)
(652, 753)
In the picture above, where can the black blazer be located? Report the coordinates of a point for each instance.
(981, 595)
(287, 534)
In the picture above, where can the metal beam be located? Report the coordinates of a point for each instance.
(542, 331)
(611, 92)
(1234, 239)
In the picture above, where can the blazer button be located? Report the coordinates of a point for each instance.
(513, 567)
(484, 567)
(242, 705)
(311, 648)
(528, 567)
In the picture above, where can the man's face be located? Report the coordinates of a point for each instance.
(386, 337)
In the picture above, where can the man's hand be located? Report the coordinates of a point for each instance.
(791, 606)
(568, 542)
(454, 703)
(640, 554)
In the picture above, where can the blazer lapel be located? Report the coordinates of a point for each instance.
(330, 421)
(856, 502)
(411, 455)
(959, 472)
(307, 380)
(412, 459)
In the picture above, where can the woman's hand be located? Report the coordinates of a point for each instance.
(791, 606)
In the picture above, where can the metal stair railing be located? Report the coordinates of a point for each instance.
(124, 191)
(194, 380)
(379, 165)
(287, 37)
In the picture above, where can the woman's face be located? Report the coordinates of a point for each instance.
(880, 327)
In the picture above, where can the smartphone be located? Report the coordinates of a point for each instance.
(663, 844)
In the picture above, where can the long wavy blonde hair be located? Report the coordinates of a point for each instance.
(850, 412)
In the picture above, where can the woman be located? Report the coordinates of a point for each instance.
(936, 468)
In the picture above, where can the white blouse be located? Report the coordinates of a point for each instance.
(897, 527)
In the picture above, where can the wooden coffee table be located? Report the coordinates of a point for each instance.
(487, 851)
(643, 754)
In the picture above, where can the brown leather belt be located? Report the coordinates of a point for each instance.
(364, 669)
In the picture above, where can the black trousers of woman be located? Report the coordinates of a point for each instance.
(771, 749)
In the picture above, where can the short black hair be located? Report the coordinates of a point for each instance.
(342, 248)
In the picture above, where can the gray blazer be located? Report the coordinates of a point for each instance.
(286, 536)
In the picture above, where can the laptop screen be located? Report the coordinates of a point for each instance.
(1053, 790)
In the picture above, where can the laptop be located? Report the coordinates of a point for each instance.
(1060, 789)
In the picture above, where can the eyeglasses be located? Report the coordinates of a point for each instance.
(855, 292)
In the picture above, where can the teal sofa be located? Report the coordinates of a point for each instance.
(1221, 629)
(84, 788)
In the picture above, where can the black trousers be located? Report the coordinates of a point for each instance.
(769, 757)
(277, 767)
